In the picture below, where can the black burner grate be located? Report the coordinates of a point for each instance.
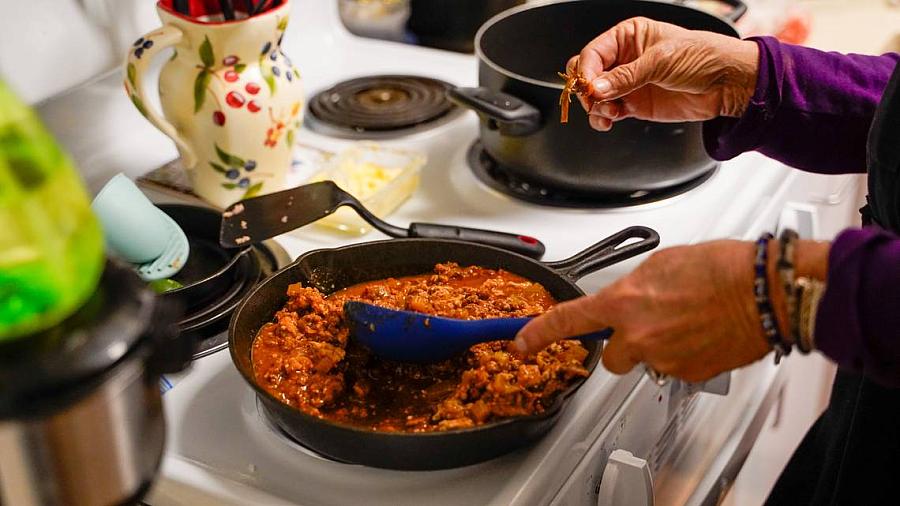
(385, 105)
(497, 177)
(210, 331)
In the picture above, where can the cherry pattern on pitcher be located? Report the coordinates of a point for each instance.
(230, 74)
(273, 64)
(234, 99)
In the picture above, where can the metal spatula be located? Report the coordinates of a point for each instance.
(406, 336)
(267, 216)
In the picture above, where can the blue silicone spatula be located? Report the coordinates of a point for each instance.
(406, 336)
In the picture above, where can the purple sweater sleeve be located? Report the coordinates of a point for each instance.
(811, 109)
(858, 321)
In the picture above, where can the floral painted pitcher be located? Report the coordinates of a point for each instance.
(231, 100)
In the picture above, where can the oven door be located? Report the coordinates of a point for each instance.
(674, 445)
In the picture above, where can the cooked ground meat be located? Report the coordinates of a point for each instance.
(305, 359)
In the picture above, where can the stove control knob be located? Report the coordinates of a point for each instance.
(626, 481)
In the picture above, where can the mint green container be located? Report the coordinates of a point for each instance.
(51, 245)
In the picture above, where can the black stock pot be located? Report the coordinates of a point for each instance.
(520, 52)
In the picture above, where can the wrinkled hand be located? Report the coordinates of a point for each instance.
(687, 311)
(650, 70)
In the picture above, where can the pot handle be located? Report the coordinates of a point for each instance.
(738, 9)
(506, 113)
(607, 252)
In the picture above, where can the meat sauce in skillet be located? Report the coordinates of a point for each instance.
(304, 357)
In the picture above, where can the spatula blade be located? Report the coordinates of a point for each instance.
(260, 218)
(406, 336)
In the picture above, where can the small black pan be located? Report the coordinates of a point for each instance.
(329, 270)
(211, 270)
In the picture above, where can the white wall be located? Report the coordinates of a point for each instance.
(48, 46)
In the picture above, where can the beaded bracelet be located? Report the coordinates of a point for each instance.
(763, 302)
(785, 266)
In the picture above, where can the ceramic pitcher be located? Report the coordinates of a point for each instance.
(231, 100)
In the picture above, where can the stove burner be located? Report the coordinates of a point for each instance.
(499, 178)
(380, 106)
(286, 438)
(209, 329)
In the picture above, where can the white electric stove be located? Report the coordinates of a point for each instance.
(621, 439)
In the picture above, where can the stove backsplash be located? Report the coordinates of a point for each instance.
(50, 46)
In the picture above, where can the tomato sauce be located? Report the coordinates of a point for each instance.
(306, 359)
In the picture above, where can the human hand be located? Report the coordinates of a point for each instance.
(686, 311)
(656, 71)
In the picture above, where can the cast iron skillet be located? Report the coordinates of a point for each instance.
(332, 269)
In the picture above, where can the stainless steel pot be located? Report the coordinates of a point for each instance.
(81, 420)
(520, 52)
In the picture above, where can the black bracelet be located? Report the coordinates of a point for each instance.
(785, 266)
(763, 302)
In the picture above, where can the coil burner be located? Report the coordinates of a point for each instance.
(380, 107)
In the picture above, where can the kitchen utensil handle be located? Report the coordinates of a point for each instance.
(522, 244)
(506, 113)
(738, 9)
(172, 352)
(607, 252)
(600, 335)
(507, 328)
(183, 7)
(227, 9)
(139, 58)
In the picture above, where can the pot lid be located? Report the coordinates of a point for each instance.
(47, 369)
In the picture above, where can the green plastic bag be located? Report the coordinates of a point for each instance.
(51, 245)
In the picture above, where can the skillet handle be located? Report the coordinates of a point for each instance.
(521, 244)
(607, 252)
(510, 115)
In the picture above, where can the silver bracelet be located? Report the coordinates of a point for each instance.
(809, 294)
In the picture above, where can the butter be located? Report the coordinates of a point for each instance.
(362, 178)
(380, 177)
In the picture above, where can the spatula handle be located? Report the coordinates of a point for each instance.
(507, 328)
(522, 244)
